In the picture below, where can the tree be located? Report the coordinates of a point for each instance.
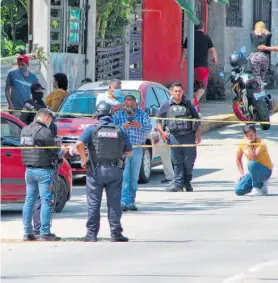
(113, 16)
(14, 26)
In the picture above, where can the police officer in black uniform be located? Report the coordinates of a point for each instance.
(107, 145)
(180, 132)
(39, 173)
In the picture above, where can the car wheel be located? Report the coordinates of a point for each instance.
(145, 171)
(62, 195)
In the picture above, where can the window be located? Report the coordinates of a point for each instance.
(10, 130)
(161, 95)
(79, 102)
(234, 14)
(67, 26)
(151, 99)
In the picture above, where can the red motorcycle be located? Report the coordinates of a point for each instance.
(251, 102)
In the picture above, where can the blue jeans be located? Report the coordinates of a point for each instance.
(255, 178)
(131, 176)
(38, 181)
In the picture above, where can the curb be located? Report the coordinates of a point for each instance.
(209, 126)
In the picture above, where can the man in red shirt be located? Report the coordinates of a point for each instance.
(202, 45)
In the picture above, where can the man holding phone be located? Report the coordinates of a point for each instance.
(137, 124)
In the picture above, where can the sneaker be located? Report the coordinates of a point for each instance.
(124, 208)
(174, 190)
(29, 237)
(197, 104)
(255, 192)
(90, 238)
(132, 207)
(119, 238)
(265, 188)
(48, 237)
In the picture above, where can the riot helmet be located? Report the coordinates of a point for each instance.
(104, 109)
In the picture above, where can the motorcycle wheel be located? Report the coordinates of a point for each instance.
(263, 114)
(238, 112)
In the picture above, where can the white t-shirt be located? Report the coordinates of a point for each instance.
(105, 97)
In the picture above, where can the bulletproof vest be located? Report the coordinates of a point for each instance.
(179, 127)
(32, 157)
(108, 142)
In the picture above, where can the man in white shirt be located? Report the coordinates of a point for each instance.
(113, 95)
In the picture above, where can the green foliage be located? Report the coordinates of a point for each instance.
(14, 28)
(8, 48)
(113, 16)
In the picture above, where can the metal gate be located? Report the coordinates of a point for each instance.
(262, 12)
(135, 58)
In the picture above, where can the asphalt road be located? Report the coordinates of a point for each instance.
(208, 236)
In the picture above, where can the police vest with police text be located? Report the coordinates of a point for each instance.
(35, 157)
(108, 142)
(179, 127)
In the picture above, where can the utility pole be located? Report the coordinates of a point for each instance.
(190, 55)
(30, 25)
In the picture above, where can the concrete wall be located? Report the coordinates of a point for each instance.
(41, 36)
(235, 37)
(274, 29)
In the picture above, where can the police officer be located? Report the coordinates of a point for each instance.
(180, 132)
(39, 173)
(107, 144)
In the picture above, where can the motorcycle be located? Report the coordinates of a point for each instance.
(251, 102)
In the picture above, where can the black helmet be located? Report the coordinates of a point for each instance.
(104, 109)
(237, 60)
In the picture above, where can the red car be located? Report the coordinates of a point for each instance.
(13, 171)
(70, 122)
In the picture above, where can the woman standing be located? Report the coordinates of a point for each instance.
(260, 58)
(56, 97)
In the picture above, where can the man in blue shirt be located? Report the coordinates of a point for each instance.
(107, 144)
(18, 85)
(137, 124)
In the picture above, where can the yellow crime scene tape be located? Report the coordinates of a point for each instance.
(156, 145)
(159, 118)
(149, 145)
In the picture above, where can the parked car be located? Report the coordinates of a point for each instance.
(13, 188)
(74, 117)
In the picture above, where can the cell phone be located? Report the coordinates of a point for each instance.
(130, 119)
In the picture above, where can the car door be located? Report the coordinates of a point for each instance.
(163, 97)
(152, 105)
(12, 168)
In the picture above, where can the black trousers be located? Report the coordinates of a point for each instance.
(183, 159)
(108, 177)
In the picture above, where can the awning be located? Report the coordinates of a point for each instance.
(191, 13)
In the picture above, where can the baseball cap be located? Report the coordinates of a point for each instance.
(130, 97)
(23, 58)
(36, 87)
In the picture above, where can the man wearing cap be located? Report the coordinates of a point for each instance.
(137, 124)
(18, 85)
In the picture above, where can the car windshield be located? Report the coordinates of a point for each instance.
(83, 102)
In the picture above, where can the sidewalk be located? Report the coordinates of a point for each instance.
(222, 110)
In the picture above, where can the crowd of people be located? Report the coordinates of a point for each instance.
(115, 142)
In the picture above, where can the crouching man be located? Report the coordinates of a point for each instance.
(260, 166)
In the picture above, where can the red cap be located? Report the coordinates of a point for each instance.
(23, 58)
